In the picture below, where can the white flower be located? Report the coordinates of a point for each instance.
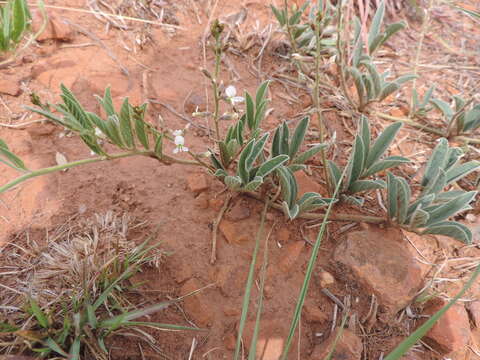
(231, 93)
(179, 142)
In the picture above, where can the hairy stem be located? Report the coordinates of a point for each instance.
(316, 101)
(164, 159)
(216, 97)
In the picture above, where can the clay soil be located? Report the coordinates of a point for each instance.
(161, 65)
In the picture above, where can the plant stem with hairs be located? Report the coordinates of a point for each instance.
(316, 98)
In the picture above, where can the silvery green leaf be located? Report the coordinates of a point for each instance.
(224, 154)
(159, 146)
(376, 42)
(291, 212)
(284, 145)
(472, 118)
(353, 200)
(355, 162)
(388, 89)
(271, 165)
(232, 147)
(220, 173)
(74, 107)
(125, 124)
(452, 229)
(453, 156)
(365, 185)
(459, 171)
(444, 108)
(450, 208)
(11, 159)
(297, 167)
(279, 14)
(107, 102)
(261, 92)
(288, 185)
(260, 114)
(239, 130)
(382, 143)
(403, 199)
(141, 133)
(422, 201)
(359, 85)
(365, 134)
(437, 161)
(404, 78)
(459, 102)
(215, 161)
(20, 17)
(376, 23)
(391, 30)
(254, 184)
(250, 111)
(419, 218)
(298, 136)
(392, 194)
(276, 141)
(243, 169)
(428, 96)
(334, 172)
(387, 163)
(447, 196)
(306, 155)
(233, 182)
(376, 79)
(437, 184)
(369, 87)
(256, 151)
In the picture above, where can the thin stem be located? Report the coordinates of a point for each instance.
(216, 224)
(216, 97)
(316, 100)
(425, 23)
(295, 48)
(165, 159)
(411, 123)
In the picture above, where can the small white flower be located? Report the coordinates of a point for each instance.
(177, 133)
(231, 93)
(179, 142)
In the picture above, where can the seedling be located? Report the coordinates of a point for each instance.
(461, 118)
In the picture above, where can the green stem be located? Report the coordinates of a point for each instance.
(316, 101)
(165, 159)
(218, 59)
(411, 123)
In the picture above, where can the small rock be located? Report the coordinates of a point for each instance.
(314, 314)
(452, 332)
(306, 184)
(56, 29)
(348, 347)
(270, 339)
(239, 211)
(233, 232)
(43, 128)
(326, 278)
(231, 311)
(270, 348)
(201, 201)
(9, 85)
(471, 218)
(474, 310)
(291, 253)
(197, 183)
(216, 204)
(390, 272)
(198, 306)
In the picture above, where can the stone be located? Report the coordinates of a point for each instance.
(198, 306)
(451, 332)
(390, 272)
(116, 80)
(54, 72)
(270, 339)
(216, 204)
(9, 85)
(306, 183)
(474, 311)
(56, 29)
(348, 347)
(239, 211)
(230, 341)
(291, 253)
(326, 278)
(233, 232)
(270, 348)
(201, 201)
(39, 129)
(197, 183)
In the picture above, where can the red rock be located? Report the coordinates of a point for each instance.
(452, 332)
(118, 83)
(306, 183)
(270, 340)
(348, 347)
(56, 29)
(43, 128)
(233, 232)
(291, 253)
(201, 201)
(239, 211)
(230, 341)
(197, 183)
(198, 306)
(9, 85)
(216, 204)
(390, 272)
(326, 278)
(270, 348)
(474, 310)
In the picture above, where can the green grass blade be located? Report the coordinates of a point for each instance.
(38, 313)
(406, 344)
(249, 284)
(308, 275)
